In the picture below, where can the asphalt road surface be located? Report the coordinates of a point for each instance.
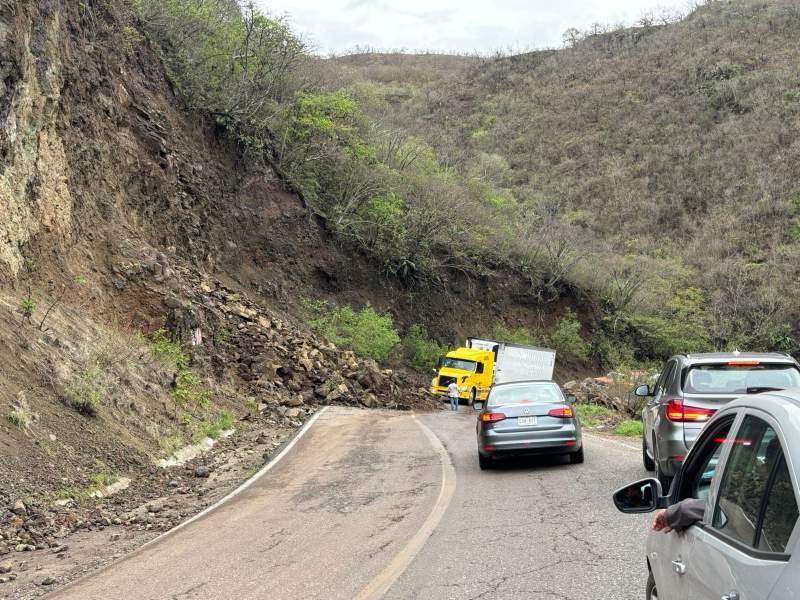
(371, 504)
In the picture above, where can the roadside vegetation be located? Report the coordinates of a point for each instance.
(200, 416)
(665, 225)
(373, 335)
(601, 418)
(20, 417)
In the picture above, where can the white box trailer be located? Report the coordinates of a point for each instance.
(515, 362)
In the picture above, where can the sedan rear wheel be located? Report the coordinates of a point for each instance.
(484, 462)
(576, 458)
(652, 592)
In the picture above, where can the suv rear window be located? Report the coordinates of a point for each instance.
(739, 378)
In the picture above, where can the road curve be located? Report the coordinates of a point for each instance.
(368, 503)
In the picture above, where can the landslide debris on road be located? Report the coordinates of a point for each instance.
(149, 269)
(268, 370)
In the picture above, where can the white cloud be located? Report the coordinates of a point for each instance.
(452, 25)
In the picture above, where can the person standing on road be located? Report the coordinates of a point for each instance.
(452, 391)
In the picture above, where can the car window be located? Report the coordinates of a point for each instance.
(700, 471)
(756, 452)
(780, 516)
(738, 378)
(524, 393)
(660, 380)
(667, 377)
(457, 363)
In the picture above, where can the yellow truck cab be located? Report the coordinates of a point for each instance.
(482, 363)
(470, 368)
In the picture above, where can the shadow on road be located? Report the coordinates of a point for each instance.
(528, 463)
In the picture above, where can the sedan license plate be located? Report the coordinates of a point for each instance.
(526, 421)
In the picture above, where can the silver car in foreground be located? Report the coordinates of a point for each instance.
(745, 467)
(527, 417)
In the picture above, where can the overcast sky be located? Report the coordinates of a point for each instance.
(334, 26)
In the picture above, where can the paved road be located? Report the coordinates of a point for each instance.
(370, 502)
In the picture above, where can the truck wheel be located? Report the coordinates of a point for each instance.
(472, 395)
(649, 464)
(484, 462)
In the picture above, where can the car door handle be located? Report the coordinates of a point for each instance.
(731, 596)
(680, 569)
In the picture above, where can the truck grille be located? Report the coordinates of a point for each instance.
(444, 380)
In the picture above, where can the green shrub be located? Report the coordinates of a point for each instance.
(213, 428)
(656, 336)
(566, 338)
(20, 417)
(86, 391)
(26, 308)
(365, 332)
(592, 415)
(421, 352)
(172, 442)
(630, 428)
(189, 388)
(517, 335)
(97, 482)
(162, 346)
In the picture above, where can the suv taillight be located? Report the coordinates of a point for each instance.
(492, 417)
(681, 413)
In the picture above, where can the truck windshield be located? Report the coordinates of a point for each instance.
(457, 363)
(523, 393)
(740, 379)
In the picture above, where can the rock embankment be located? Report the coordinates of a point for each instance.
(602, 391)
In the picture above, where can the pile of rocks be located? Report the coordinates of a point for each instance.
(598, 391)
(276, 360)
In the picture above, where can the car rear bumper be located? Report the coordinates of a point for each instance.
(560, 441)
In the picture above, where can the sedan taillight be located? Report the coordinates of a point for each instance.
(563, 412)
(492, 417)
(679, 412)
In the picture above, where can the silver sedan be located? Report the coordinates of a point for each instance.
(527, 417)
(741, 480)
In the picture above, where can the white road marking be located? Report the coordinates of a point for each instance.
(384, 580)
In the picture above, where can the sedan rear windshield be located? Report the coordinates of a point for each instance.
(524, 393)
(739, 379)
(457, 363)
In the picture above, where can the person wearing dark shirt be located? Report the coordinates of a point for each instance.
(679, 516)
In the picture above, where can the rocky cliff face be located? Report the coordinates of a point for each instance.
(34, 195)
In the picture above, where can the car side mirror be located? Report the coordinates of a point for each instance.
(478, 405)
(642, 391)
(641, 497)
(571, 399)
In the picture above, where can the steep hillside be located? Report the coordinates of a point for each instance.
(155, 261)
(150, 274)
(665, 156)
